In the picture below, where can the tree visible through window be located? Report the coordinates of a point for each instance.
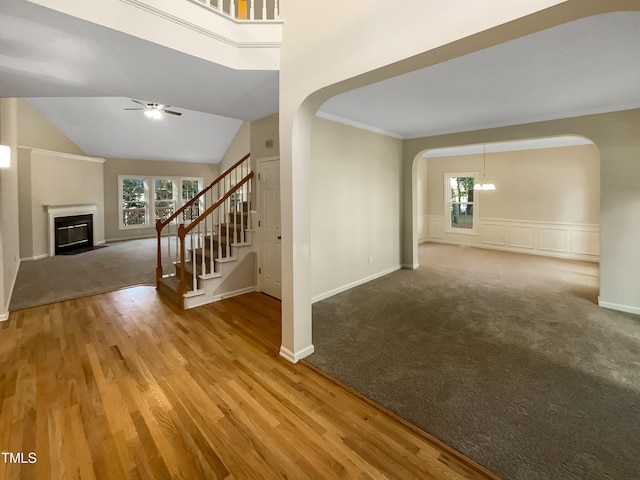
(134, 201)
(167, 194)
(460, 201)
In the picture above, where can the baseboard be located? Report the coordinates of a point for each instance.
(297, 356)
(122, 239)
(99, 242)
(410, 266)
(4, 316)
(37, 257)
(344, 288)
(620, 308)
(234, 293)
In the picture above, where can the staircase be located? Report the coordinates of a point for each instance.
(204, 248)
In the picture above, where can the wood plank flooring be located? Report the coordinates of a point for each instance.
(125, 386)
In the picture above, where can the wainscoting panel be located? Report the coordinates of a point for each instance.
(522, 237)
(493, 234)
(564, 240)
(552, 239)
(436, 227)
(585, 242)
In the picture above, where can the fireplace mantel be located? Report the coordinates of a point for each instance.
(55, 211)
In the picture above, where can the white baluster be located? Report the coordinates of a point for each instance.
(232, 8)
(264, 9)
(276, 13)
(251, 10)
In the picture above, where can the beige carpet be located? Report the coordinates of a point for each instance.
(505, 357)
(52, 279)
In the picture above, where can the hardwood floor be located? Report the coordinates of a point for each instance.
(123, 385)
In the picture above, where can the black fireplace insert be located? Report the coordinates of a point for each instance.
(73, 233)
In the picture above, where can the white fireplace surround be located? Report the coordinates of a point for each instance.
(56, 211)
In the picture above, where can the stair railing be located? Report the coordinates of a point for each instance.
(233, 10)
(167, 229)
(203, 236)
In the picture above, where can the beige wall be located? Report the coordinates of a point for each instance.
(615, 135)
(543, 185)
(57, 179)
(36, 131)
(9, 223)
(262, 131)
(119, 166)
(239, 147)
(355, 206)
(323, 55)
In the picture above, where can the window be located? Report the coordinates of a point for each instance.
(134, 195)
(460, 204)
(167, 194)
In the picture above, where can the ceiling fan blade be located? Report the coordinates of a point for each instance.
(134, 109)
(140, 103)
(170, 112)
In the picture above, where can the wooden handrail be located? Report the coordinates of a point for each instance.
(160, 224)
(182, 231)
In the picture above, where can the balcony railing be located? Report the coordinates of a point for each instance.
(263, 10)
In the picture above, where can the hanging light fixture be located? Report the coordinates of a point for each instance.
(484, 185)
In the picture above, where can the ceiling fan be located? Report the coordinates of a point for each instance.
(154, 110)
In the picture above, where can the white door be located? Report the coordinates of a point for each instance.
(269, 268)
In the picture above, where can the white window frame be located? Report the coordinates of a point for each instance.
(447, 204)
(149, 183)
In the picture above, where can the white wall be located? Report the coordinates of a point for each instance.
(547, 201)
(355, 206)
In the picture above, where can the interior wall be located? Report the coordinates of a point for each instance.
(36, 131)
(320, 37)
(355, 206)
(63, 179)
(120, 166)
(547, 201)
(239, 147)
(9, 223)
(615, 135)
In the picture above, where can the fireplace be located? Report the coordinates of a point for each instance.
(73, 233)
(71, 227)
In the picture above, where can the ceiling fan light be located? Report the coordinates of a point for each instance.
(153, 113)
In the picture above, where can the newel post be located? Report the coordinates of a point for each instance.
(159, 249)
(182, 288)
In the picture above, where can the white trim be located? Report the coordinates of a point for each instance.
(71, 156)
(234, 293)
(512, 146)
(447, 204)
(353, 123)
(55, 211)
(299, 355)
(205, 31)
(122, 239)
(620, 308)
(540, 118)
(4, 316)
(37, 257)
(409, 266)
(349, 286)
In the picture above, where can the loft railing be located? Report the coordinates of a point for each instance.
(244, 9)
(206, 228)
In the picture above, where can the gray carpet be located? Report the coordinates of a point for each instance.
(505, 357)
(52, 279)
